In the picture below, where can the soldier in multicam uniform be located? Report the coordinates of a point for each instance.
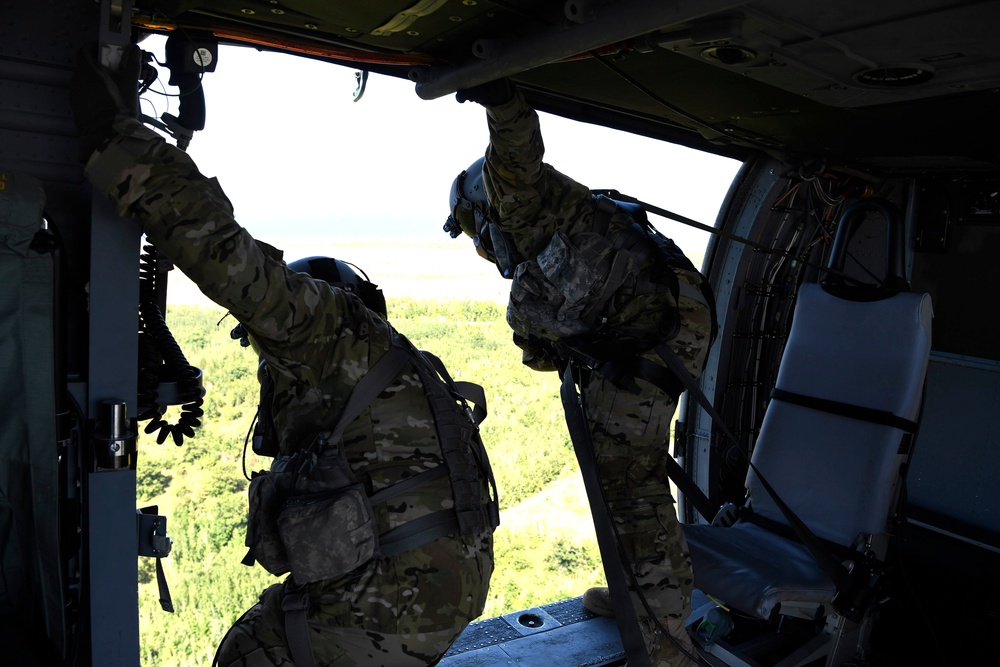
(318, 341)
(513, 192)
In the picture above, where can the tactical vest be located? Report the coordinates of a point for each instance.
(605, 295)
(310, 516)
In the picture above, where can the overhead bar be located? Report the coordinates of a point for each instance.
(591, 27)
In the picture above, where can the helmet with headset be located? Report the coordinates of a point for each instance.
(467, 202)
(338, 274)
(472, 215)
(343, 275)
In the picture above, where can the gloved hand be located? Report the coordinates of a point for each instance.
(539, 355)
(99, 95)
(489, 94)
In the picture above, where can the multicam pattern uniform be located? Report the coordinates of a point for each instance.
(630, 432)
(318, 342)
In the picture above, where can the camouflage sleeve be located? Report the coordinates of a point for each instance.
(189, 219)
(531, 198)
(514, 171)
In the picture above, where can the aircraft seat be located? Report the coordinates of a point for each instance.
(832, 443)
(837, 473)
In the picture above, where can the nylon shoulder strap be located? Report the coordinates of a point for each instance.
(369, 387)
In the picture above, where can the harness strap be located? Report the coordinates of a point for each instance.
(418, 532)
(368, 389)
(471, 392)
(624, 370)
(470, 509)
(621, 372)
(295, 605)
(408, 484)
(614, 560)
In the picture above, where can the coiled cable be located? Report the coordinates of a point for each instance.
(165, 376)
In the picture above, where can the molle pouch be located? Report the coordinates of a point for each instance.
(536, 306)
(263, 539)
(328, 535)
(556, 296)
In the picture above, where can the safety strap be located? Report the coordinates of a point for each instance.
(614, 561)
(166, 602)
(849, 410)
(622, 373)
(408, 484)
(692, 492)
(418, 532)
(369, 387)
(295, 605)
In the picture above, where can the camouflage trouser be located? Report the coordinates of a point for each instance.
(404, 611)
(630, 435)
(631, 438)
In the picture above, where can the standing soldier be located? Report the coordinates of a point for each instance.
(590, 284)
(387, 528)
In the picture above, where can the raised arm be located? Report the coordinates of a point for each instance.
(531, 198)
(190, 220)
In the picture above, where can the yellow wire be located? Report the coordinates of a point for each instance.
(721, 606)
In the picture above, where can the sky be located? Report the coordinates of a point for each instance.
(301, 160)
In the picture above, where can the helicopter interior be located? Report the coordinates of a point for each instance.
(871, 175)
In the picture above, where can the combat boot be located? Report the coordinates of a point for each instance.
(598, 601)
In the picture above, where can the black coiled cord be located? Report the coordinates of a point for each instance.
(165, 376)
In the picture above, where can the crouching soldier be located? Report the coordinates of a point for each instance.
(594, 284)
(380, 501)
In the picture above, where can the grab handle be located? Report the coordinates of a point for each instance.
(852, 216)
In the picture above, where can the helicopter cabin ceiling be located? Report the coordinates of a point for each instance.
(915, 84)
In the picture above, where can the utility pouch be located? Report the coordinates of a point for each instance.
(269, 491)
(263, 539)
(308, 517)
(328, 535)
(563, 293)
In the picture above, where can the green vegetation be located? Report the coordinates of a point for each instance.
(545, 546)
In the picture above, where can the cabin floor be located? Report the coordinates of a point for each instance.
(556, 634)
(565, 634)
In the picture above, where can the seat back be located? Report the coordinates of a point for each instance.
(838, 473)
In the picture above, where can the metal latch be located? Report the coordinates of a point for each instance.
(154, 541)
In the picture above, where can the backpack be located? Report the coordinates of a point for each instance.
(603, 295)
(310, 516)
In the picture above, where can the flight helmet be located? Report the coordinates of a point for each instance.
(472, 215)
(467, 202)
(343, 275)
